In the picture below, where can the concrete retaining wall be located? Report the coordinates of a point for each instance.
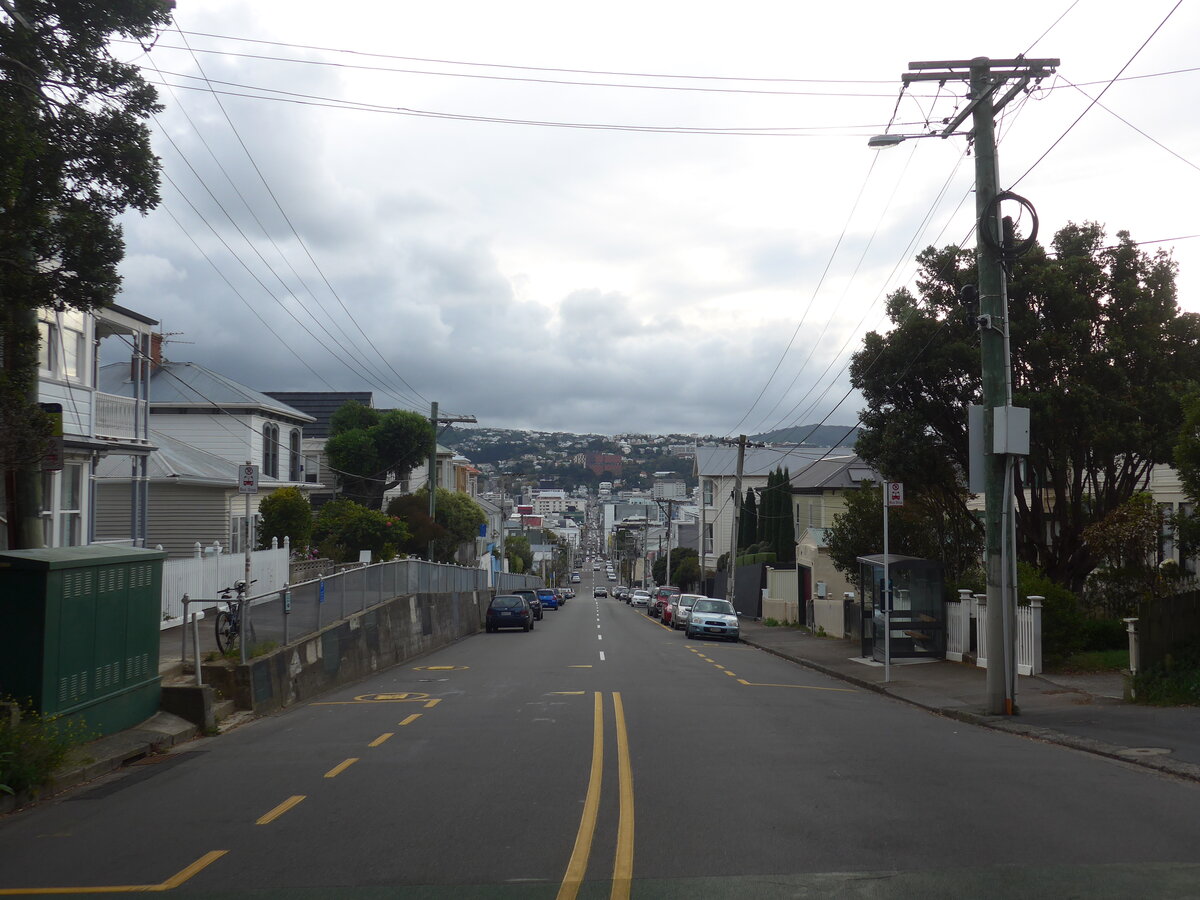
(353, 648)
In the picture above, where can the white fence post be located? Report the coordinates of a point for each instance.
(1035, 634)
(981, 630)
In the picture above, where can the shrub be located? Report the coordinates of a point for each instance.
(1173, 682)
(1062, 619)
(285, 513)
(33, 748)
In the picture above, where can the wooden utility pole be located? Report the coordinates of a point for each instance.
(986, 77)
(434, 421)
(731, 569)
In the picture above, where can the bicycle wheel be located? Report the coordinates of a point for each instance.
(227, 632)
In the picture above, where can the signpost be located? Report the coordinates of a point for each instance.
(893, 495)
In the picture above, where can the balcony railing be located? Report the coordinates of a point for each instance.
(119, 418)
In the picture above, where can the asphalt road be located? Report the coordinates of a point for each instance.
(605, 755)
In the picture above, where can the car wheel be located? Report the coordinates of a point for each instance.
(531, 625)
(528, 626)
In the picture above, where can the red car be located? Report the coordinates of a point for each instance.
(660, 606)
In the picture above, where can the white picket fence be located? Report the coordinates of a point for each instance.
(968, 606)
(209, 570)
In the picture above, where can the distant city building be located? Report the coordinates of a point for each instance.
(602, 463)
(669, 489)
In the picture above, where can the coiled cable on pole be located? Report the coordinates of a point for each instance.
(988, 226)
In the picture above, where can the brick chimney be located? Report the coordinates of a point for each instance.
(156, 342)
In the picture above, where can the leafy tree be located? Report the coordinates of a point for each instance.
(679, 557)
(456, 521)
(74, 154)
(344, 527)
(687, 574)
(375, 450)
(1126, 542)
(285, 512)
(519, 554)
(1187, 464)
(921, 528)
(1101, 355)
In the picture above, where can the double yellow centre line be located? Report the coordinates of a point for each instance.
(623, 861)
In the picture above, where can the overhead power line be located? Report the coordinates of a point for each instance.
(318, 100)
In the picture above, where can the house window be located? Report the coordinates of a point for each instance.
(62, 506)
(312, 470)
(708, 493)
(48, 347)
(294, 455)
(708, 538)
(237, 533)
(270, 451)
(1166, 537)
(1187, 552)
(61, 348)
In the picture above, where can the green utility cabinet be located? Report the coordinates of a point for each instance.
(79, 632)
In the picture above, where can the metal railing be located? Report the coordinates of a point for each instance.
(293, 612)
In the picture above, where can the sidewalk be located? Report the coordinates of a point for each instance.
(1086, 712)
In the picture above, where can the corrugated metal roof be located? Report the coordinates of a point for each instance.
(191, 384)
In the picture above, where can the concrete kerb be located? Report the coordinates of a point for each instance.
(1164, 765)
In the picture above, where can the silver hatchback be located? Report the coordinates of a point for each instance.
(713, 618)
(681, 609)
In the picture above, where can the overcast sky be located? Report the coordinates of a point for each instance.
(614, 279)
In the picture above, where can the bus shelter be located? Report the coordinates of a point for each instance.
(918, 610)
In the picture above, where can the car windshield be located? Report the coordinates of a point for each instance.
(687, 600)
(505, 603)
(714, 606)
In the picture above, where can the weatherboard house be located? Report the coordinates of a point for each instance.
(203, 425)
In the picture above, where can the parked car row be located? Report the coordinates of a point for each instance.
(523, 607)
(697, 615)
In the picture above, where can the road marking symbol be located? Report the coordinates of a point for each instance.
(341, 767)
(383, 737)
(601, 656)
(279, 810)
(578, 667)
(439, 668)
(566, 693)
(408, 720)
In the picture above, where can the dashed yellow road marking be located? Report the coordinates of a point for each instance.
(430, 704)
(383, 737)
(408, 720)
(279, 810)
(341, 767)
(566, 693)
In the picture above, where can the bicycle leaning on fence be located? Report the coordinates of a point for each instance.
(229, 621)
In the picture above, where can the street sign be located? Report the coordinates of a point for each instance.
(895, 493)
(247, 479)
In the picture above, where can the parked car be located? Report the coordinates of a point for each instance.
(713, 618)
(508, 611)
(531, 597)
(662, 597)
(639, 599)
(681, 610)
(548, 597)
(600, 592)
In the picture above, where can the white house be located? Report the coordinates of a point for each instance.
(97, 426)
(206, 425)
